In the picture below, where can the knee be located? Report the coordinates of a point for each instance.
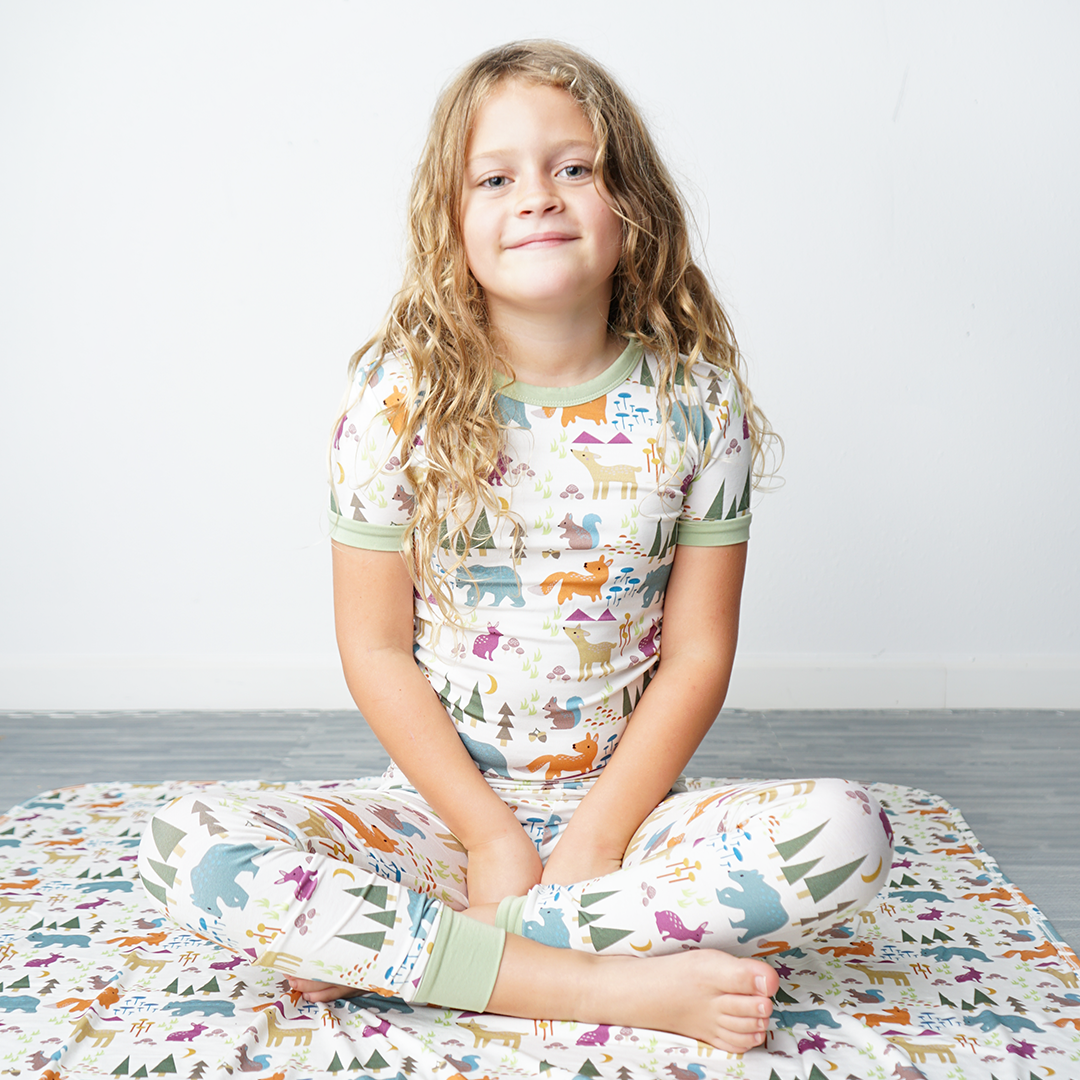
(160, 834)
(168, 827)
(860, 833)
(157, 855)
(852, 810)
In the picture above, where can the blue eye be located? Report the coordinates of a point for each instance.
(576, 172)
(495, 182)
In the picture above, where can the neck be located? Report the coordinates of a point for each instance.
(549, 351)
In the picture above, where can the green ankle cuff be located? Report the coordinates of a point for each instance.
(464, 963)
(510, 914)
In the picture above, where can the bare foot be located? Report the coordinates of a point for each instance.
(703, 994)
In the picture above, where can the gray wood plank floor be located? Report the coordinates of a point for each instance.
(1015, 776)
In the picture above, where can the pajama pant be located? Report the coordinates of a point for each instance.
(349, 884)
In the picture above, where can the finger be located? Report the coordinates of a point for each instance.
(331, 993)
(308, 986)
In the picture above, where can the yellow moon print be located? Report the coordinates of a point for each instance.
(641, 948)
(494, 685)
(874, 874)
(347, 873)
(341, 473)
(503, 504)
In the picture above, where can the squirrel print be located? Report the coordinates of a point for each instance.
(564, 718)
(586, 535)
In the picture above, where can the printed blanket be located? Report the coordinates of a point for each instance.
(953, 973)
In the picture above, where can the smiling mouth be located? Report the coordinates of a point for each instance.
(541, 240)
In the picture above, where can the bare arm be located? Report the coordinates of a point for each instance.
(373, 612)
(701, 627)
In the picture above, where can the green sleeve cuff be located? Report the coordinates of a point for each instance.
(714, 533)
(464, 963)
(364, 534)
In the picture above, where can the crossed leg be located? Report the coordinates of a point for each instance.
(345, 887)
(751, 869)
(762, 865)
(380, 864)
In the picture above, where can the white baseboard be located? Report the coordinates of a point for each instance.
(801, 681)
(111, 683)
(831, 681)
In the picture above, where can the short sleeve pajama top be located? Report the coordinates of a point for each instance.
(562, 601)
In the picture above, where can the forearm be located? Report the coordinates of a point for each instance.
(672, 717)
(413, 727)
(373, 606)
(697, 651)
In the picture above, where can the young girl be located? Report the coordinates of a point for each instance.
(541, 486)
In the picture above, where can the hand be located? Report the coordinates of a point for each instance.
(506, 865)
(568, 864)
(318, 992)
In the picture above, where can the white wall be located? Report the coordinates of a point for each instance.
(201, 218)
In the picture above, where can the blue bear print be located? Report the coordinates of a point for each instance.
(762, 911)
(215, 877)
(550, 931)
(500, 581)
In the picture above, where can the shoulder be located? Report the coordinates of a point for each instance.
(371, 499)
(703, 400)
(698, 379)
(379, 396)
(385, 376)
(709, 381)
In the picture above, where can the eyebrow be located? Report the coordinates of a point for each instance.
(559, 148)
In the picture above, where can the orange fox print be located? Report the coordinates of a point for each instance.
(396, 408)
(559, 763)
(588, 584)
(595, 410)
(373, 837)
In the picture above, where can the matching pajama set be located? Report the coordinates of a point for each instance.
(562, 601)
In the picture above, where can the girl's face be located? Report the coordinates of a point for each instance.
(539, 236)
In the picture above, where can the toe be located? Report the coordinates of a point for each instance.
(743, 1025)
(735, 1043)
(746, 1006)
(750, 976)
(766, 980)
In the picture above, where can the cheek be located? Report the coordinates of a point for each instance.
(477, 237)
(610, 232)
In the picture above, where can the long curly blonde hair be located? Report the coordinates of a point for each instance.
(438, 320)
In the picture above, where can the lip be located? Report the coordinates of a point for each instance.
(543, 239)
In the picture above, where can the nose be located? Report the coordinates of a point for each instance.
(538, 194)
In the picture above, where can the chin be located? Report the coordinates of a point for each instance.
(555, 293)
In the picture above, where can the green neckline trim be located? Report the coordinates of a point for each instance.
(557, 396)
